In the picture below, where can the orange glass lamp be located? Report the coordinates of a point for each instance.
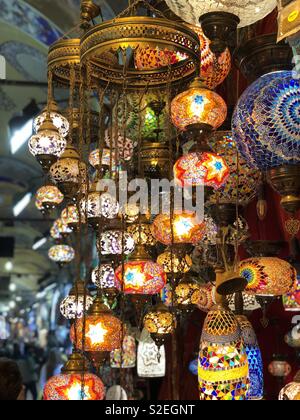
(74, 383)
(141, 233)
(268, 276)
(187, 295)
(160, 322)
(187, 229)
(175, 264)
(50, 197)
(98, 334)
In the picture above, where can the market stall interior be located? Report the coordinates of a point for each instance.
(149, 199)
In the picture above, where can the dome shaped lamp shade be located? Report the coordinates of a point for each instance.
(62, 254)
(58, 120)
(71, 217)
(60, 230)
(50, 197)
(160, 322)
(69, 173)
(223, 365)
(77, 302)
(268, 276)
(256, 390)
(47, 145)
(74, 383)
(151, 360)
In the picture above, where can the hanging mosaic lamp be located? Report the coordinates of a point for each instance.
(114, 241)
(57, 119)
(74, 383)
(125, 358)
(49, 197)
(71, 217)
(123, 148)
(187, 295)
(60, 230)
(151, 360)
(140, 275)
(279, 367)
(223, 364)
(69, 172)
(250, 303)
(268, 276)
(256, 390)
(173, 263)
(292, 338)
(291, 301)
(106, 160)
(193, 367)
(100, 332)
(290, 392)
(104, 279)
(77, 302)
(160, 323)
(166, 295)
(206, 297)
(187, 228)
(141, 233)
(61, 254)
(47, 145)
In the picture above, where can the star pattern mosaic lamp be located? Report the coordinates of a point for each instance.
(223, 364)
(256, 390)
(268, 276)
(74, 383)
(115, 242)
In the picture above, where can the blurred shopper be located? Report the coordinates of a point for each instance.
(11, 383)
(28, 370)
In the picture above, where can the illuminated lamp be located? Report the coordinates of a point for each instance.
(268, 276)
(49, 197)
(292, 339)
(166, 295)
(291, 301)
(249, 302)
(160, 323)
(175, 264)
(125, 359)
(60, 230)
(74, 383)
(187, 295)
(71, 217)
(123, 148)
(77, 302)
(141, 233)
(193, 367)
(98, 334)
(114, 241)
(206, 297)
(151, 360)
(105, 161)
(104, 278)
(290, 392)
(223, 365)
(57, 119)
(61, 254)
(47, 145)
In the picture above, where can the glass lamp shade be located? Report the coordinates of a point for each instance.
(152, 57)
(151, 360)
(207, 298)
(290, 392)
(198, 106)
(74, 387)
(223, 365)
(187, 229)
(292, 339)
(70, 216)
(291, 301)
(106, 159)
(58, 120)
(174, 263)
(104, 276)
(39, 206)
(47, 142)
(160, 323)
(268, 276)
(166, 295)
(131, 213)
(142, 234)
(49, 196)
(256, 391)
(279, 368)
(60, 229)
(116, 393)
(140, 278)
(248, 12)
(123, 148)
(193, 367)
(127, 358)
(243, 181)
(187, 294)
(201, 169)
(116, 242)
(61, 254)
(249, 303)
(99, 205)
(77, 302)
(266, 123)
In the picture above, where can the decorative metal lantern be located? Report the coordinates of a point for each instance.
(60, 230)
(77, 302)
(201, 169)
(223, 365)
(198, 106)
(105, 280)
(256, 391)
(140, 275)
(290, 392)
(71, 217)
(142, 234)
(61, 254)
(174, 263)
(123, 148)
(279, 367)
(206, 297)
(57, 119)
(69, 173)
(47, 145)
(187, 295)
(268, 276)
(243, 181)
(108, 159)
(151, 360)
(100, 332)
(49, 197)
(186, 228)
(125, 359)
(74, 383)
(248, 13)
(115, 242)
(291, 301)
(160, 323)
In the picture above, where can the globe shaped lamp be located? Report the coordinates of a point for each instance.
(151, 360)
(125, 359)
(60, 230)
(187, 295)
(140, 275)
(114, 241)
(160, 322)
(290, 392)
(71, 217)
(206, 297)
(61, 254)
(99, 333)
(74, 383)
(223, 365)
(174, 264)
(104, 161)
(104, 278)
(77, 302)
(142, 234)
(268, 276)
(57, 119)
(256, 390)
(50, 197)
(47, 145)
(291, 301)
(69, 172)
